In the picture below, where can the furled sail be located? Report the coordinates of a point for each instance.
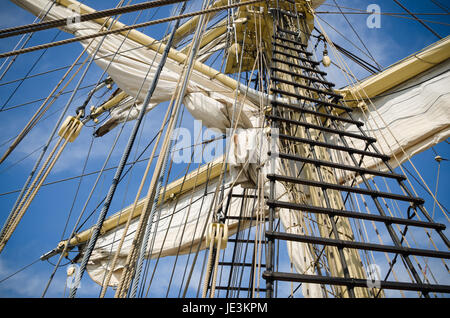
(132, 66)
(406, 108)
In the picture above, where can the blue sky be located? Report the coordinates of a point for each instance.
(42, 227)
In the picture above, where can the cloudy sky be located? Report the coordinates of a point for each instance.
(43, 227)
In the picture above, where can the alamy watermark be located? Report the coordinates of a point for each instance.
(75, 17)
(72, 272)
(374, 19)
(373, 272)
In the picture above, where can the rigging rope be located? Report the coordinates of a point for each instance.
(56, 266)
(440, 5)
(20, 270)
(418, 20)
(28, 73)
(119, 30)
(357, 35)
(438, 160)
(41, 110)
(173, 213)
(218, 214)
(401, 147)
(154, 187)
(48, 142)
(79, 114)
(28, 197)
(77, 225)
(52, 134)
(205, 193)
(113, 187)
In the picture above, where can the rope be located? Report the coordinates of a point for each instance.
(195, 230)
(77, 227)
(419, 20)
(115, 181)
(143, 248)
(357, 35)
(84, 17)
(234, 123)
(26, 201)
(64, 67)
(440, 5)
(111, 168)
(216, 263)
(171, 218)
(63, 253)
(20, 270)
(101, 172)
(28, 73)
(41, 111)
(41, 99)
(204, 228)
(112, 266)
(25, 42)
(119, 30)
(260, 214)
(66, 107)
(111, 193)
(132, 257)
(138, 194)
(208, 265)
(395, 14)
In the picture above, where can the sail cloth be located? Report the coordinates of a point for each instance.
(207, 99)
(134, 67)
(407, 119)
(179, 227)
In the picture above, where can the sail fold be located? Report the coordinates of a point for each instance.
(407, 119)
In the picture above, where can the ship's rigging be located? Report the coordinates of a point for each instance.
(320, 175)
